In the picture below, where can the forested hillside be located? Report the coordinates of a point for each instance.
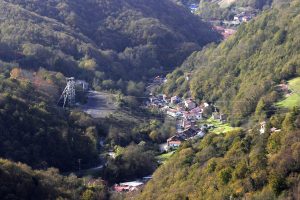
(240, 75)
(100, 40)
(19, 181)
(236, 165)
(37, 132)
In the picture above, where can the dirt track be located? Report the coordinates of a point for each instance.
(99, 104)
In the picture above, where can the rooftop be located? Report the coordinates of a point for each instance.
(132, 184)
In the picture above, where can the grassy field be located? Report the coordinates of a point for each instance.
(220, 127)
(294, 99)
(164, 157)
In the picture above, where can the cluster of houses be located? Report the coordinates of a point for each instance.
(240, 18)
(228, 27)
(244, 17)
(131, 186)
(187, 113)
(176, 140)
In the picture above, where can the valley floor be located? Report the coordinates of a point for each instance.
(99, 104)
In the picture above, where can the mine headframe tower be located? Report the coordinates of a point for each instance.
(68, 95)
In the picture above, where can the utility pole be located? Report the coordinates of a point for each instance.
(69, 93)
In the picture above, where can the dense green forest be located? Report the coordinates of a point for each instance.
(37, 132)
(19, 181)
(240, 75)
(236, 165)
(100, 40)
(119, 45)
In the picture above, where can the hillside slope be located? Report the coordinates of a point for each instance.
(19, 181)
(37, 132)
(225, 9)
(240, 75)
(235, 165)
(111, 37)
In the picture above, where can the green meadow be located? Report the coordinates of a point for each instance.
(294, 99)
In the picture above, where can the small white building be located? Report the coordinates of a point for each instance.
(200, 134)
(175, 99)
(173, 113)
(262, 129)
(189, 104)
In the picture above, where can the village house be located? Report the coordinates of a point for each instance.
(243, 17)
(156, 102)
(175, 100)
(174, 141)
(237, 18)
(180, 107)
(165, 98)
(128, 186)
(188, 133)
(189, 104)
(111, 154)
(246, 18)
(186, 124)
(197, 113)
(173, 113)
(188, 76)
(215, 115)
(223, 118)
(200, 134)
(262, 129)
(219, 116)
(165, 108)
